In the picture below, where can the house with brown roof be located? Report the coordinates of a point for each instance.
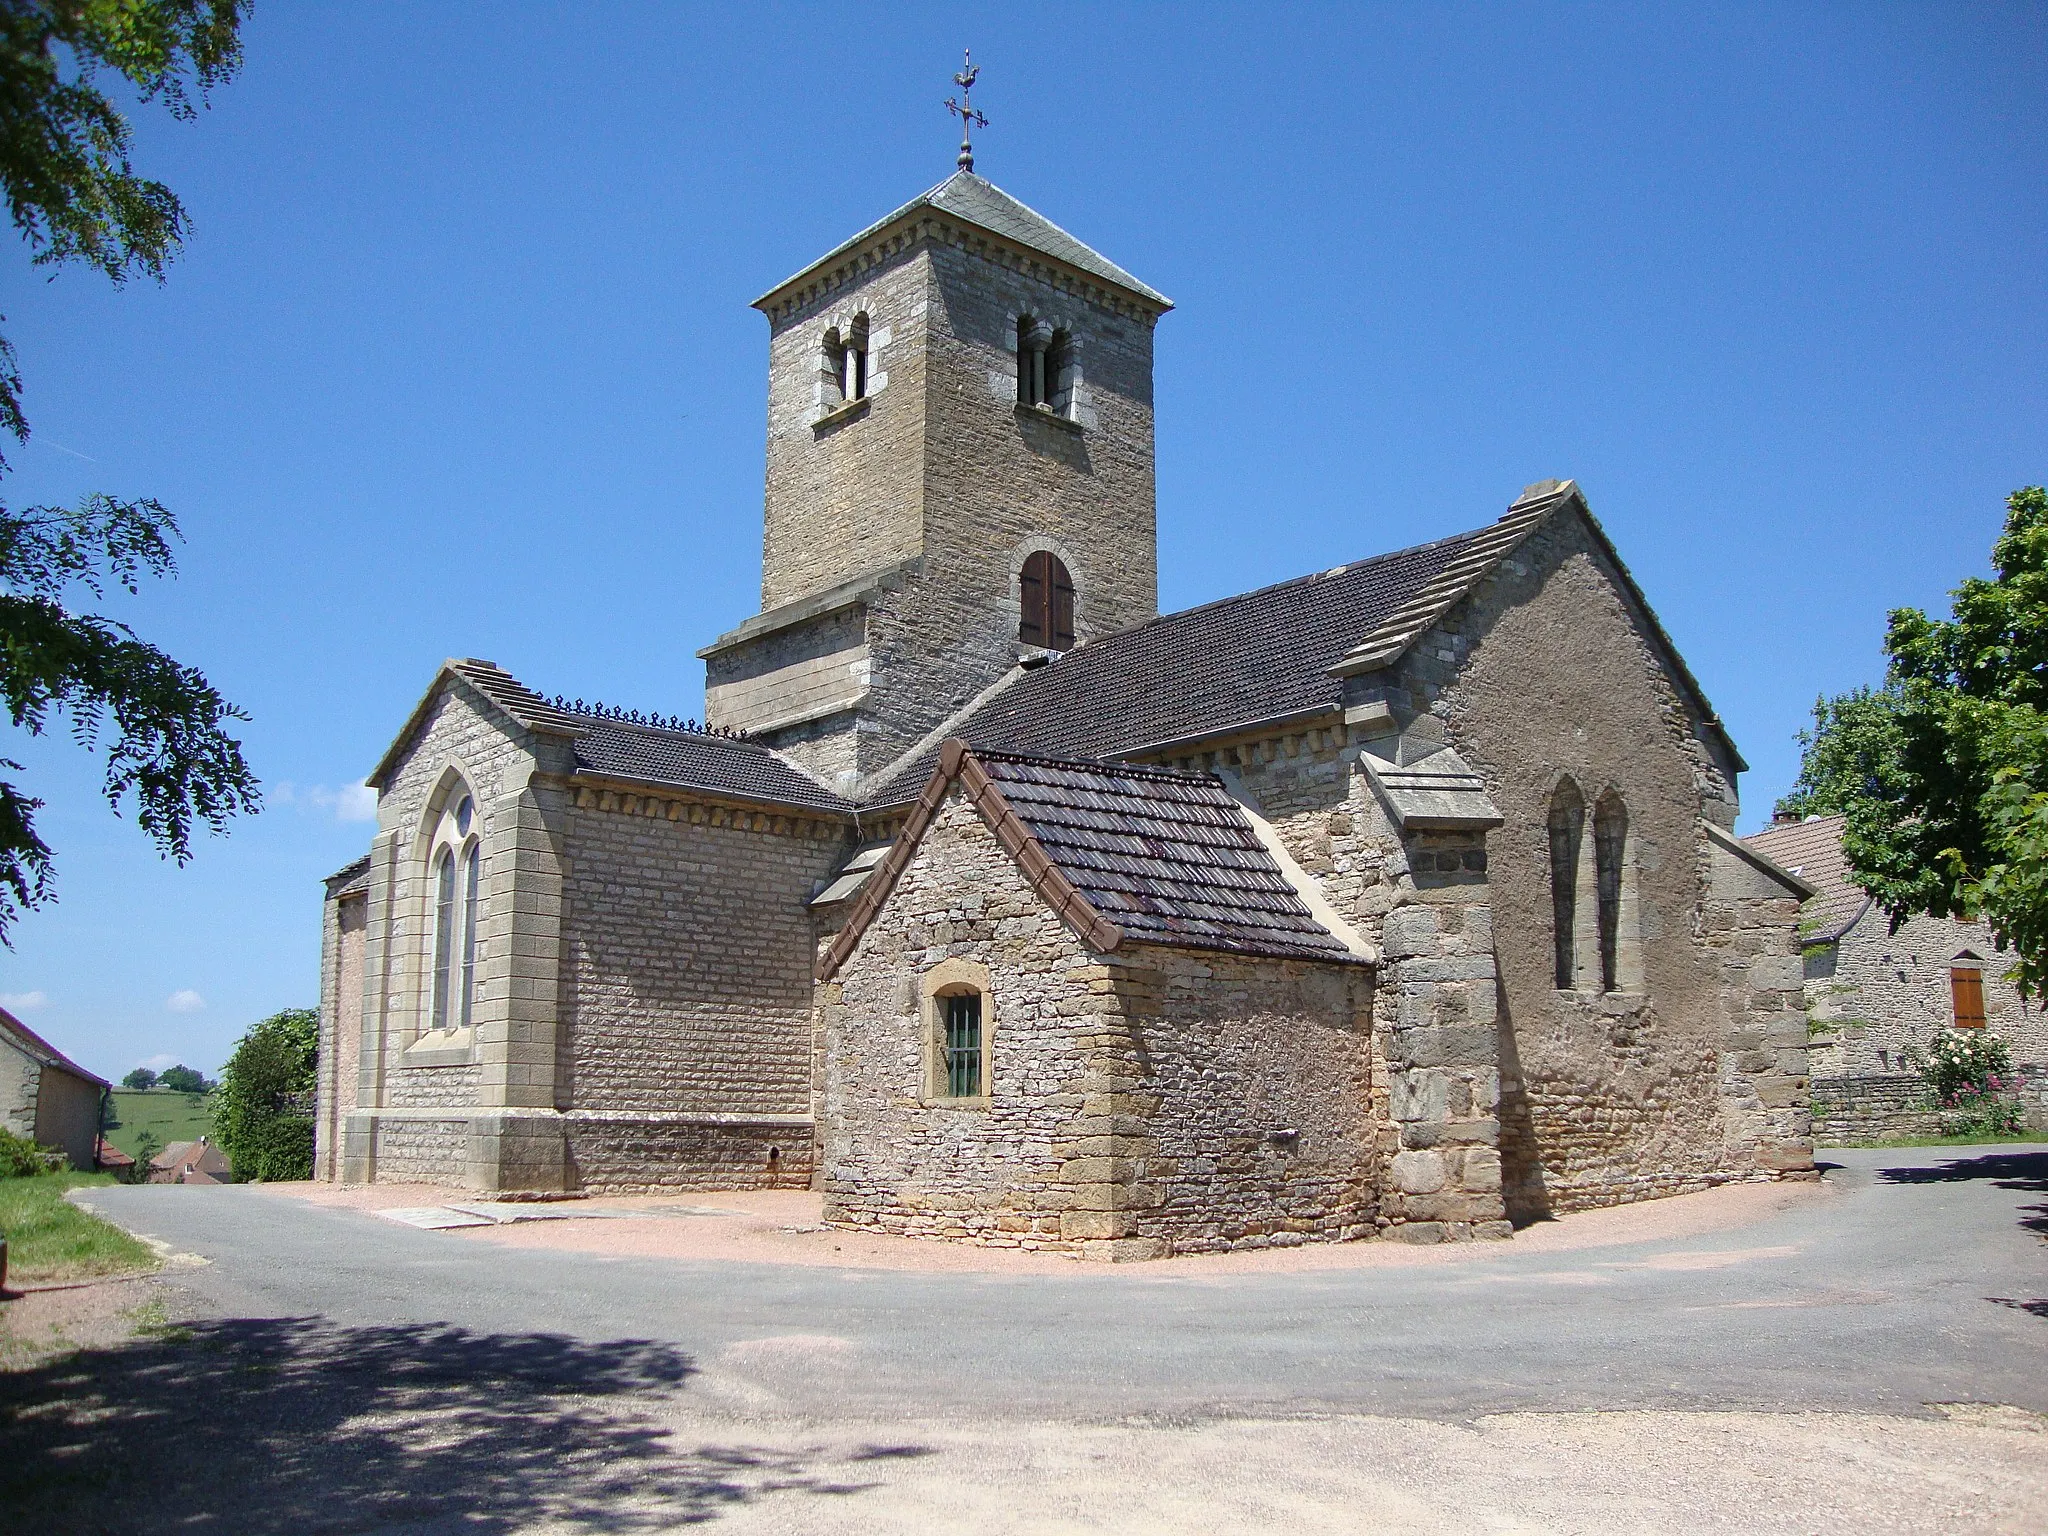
(46, 1096)
(191, 1162)
(1400, 898)
(1876, 993)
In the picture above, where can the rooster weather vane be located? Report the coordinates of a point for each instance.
(964, 110)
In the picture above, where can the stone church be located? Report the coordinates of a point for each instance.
(1398, 899)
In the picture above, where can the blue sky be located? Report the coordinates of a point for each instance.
(459, 359)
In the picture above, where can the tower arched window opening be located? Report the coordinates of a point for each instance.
(1046, 593)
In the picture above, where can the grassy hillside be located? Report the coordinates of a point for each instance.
(169, 1116)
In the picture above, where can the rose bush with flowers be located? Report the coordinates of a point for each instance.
(1970, 1073)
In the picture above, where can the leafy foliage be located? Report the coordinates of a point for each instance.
(74, 197)
(71, 190)
(263, 1109)
(141, 1080)
(171, 750)
(21, 1158)
(1941, 775)
(183, 1079)
(1970, 1074)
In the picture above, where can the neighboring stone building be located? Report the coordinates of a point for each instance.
(963, 905)
(1874, 994)
(46, 1096)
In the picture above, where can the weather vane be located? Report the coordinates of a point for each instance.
(964, 110)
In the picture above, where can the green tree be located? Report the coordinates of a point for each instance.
(182, 1079)
(141, 1080)
(1941, 775)
(74, 197)
(263, 1109)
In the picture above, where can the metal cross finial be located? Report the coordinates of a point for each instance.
(964, 110)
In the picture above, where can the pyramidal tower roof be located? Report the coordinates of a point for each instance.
(974, 200)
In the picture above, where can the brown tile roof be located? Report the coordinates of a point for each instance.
(1202, 671)
(44, 1053)
(1812, 850)
(1125, 855)
(1279, 652)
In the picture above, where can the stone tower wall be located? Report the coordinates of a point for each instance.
(845, 496)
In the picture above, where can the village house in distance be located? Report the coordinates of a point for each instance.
(1399, 899)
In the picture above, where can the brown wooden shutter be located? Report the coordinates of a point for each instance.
(1037, 588)
(1061, 626)
(1966, 990)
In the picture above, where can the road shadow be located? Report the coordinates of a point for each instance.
(2035, 1308)
(2026, 1172)
(297, 1426)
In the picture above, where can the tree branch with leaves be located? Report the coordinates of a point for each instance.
(1941, 775)
(74, 196)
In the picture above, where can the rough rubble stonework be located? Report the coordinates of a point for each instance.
(666, 1000)
(1138, 1100)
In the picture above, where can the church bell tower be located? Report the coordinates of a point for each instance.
(960, 477)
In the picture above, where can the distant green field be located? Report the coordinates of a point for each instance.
(169, 1116)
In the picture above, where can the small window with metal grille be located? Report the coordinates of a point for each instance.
(1966, 992)
(1046, 594)
(962, 1018)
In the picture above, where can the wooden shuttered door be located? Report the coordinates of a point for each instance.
(1048, 601)
(1966, 989)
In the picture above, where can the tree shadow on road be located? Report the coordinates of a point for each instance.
(297, 1426)
(2023, 1171)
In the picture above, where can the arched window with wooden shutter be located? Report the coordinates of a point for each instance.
(1047, 594)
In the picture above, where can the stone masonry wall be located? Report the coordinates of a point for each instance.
(1873, 994)
(686, 983)
(1433, 1049)
(1137, 1099)
(897, 1159)
(1548, 670)
(21, 1078)
(847, 497)
(1253, 1081)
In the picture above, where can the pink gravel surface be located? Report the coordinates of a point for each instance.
(783, 1227)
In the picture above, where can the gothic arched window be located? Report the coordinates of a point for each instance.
(1047, 594)
(1567, 830)
(455, 861)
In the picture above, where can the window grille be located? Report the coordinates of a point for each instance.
(1047, 595)
(1966, 991)
(963, 1045)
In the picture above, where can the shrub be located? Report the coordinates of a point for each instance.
(21, 1158)
(263, 1109)
(1970, 1074)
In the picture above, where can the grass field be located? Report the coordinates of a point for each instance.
(50, 1239)
(168, 1116)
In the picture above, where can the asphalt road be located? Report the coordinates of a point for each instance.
(1927, 1282)
(328, 1371)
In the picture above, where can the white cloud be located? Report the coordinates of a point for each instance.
(159, 1063)
(184, 1000)
(351, 802)
(356, 802)
(23, 1002)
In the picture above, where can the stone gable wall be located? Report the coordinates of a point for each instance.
(1139, 1101)
(1548, 670)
